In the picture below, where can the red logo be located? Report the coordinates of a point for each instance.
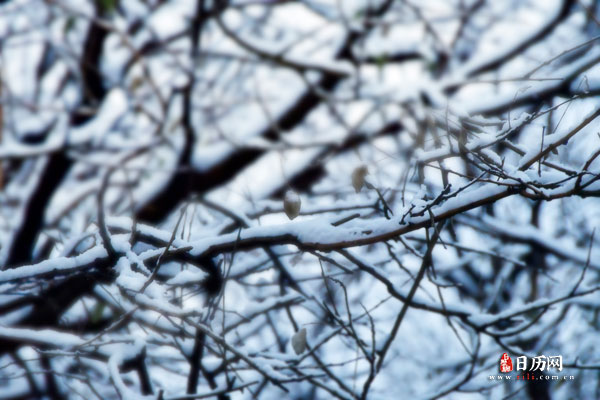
(505, 363)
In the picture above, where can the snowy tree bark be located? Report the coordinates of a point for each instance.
(256, 199)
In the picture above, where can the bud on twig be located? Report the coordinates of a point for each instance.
(299, 341)
(358, 177)
(291, 204)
